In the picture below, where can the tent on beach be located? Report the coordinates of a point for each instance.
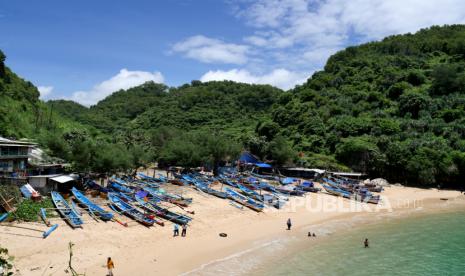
(248, 158)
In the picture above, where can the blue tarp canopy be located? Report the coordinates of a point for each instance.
(263, 165)
(247, 157)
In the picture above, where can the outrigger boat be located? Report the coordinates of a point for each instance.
(119, 187)
(336, 191)
(92, 208)
(250, 193)
(129, 210)
(367, 197)
(163, 212)
(147, 206)
(206, 189)
(174, 199)
(68, 213)
(244, 200)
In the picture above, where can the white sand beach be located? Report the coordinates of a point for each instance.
(138, 250)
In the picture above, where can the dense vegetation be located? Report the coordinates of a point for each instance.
(394, 108)
(192, 125)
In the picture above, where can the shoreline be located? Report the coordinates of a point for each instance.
(283, 246)
(148, 250)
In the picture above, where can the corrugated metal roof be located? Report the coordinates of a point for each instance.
(320, 171)
(347, 173)
(7, 142)
(62, 179)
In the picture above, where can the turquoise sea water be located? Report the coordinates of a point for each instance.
(426, 245)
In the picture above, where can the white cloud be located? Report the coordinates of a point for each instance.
(302, 34)
(211, 50)
(123, 80)
(45, 91)
(281, 78)
(293, 38)
(256, 40)
(334, 22)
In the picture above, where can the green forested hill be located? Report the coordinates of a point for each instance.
(22, 114)
(393, 108)
(213, 105)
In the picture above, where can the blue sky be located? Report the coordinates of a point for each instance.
(84, 50)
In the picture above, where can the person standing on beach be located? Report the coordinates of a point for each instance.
(176, 230)
(184, 230)
(289, 224)
(366, 243)
(110, 266)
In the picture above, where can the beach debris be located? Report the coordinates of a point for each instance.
(49, 231)
(223, 235)
(70, 267)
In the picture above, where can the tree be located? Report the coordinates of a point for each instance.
(281, 151)
(220, 148)
(445, 79)
(412, 102)
(360, 153)
(200, 148)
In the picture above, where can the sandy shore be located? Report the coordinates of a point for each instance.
(138, 250)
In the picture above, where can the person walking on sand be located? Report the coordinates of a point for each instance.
(366, 243)
(289, 224)
(176, 230)
(110, 266)
(184, 230)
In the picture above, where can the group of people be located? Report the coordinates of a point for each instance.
(176, 230)
(289, 225)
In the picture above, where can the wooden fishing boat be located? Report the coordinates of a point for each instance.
(63, 208)
(147, 206)
(250, 193)
(206, 189)
(290, 190)
(309, 189)
(118, 187)
(152, 206)
(129, 210)
(336, 191)
(244, 200)
(91, 207)
(174, 199)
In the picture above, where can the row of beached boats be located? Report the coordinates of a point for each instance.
(350, 190)
(144, 200)
(247, 190)
(139, 200)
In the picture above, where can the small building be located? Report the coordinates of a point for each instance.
(305, 173)
(40, 163)
(54, 182)
(13, 157)
(262, 169)
(354, 175)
